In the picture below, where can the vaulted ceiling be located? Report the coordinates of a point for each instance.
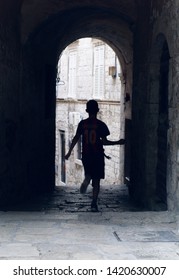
(53, 24)
(35, 12)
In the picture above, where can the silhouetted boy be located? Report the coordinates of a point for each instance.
(94, 135)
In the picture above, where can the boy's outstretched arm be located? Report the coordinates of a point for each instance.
(107, 142)
(73, 143)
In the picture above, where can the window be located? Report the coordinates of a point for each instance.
(99, 71)
(72, 75)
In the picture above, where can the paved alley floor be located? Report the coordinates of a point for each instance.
(61, 226)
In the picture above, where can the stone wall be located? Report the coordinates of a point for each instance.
(160, 22)
(11, 177)
(165, 20)
(37, 109)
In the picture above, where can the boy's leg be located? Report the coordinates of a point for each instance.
(85, 183)
(96, 189)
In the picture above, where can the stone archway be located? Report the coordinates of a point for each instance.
(40, 56)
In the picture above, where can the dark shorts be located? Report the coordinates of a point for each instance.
(94, 165)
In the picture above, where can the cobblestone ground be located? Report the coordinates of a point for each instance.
(68, 199)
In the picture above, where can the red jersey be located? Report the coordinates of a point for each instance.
(92, 131)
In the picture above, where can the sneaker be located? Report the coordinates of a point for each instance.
(94, 207)
(83, 188)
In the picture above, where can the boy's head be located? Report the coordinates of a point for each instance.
(92, 107)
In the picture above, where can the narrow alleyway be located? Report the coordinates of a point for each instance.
(61, 226)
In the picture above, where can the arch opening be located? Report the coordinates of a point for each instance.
(88, 69)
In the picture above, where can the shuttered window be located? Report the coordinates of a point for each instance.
(99, 71)
(72, 75)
